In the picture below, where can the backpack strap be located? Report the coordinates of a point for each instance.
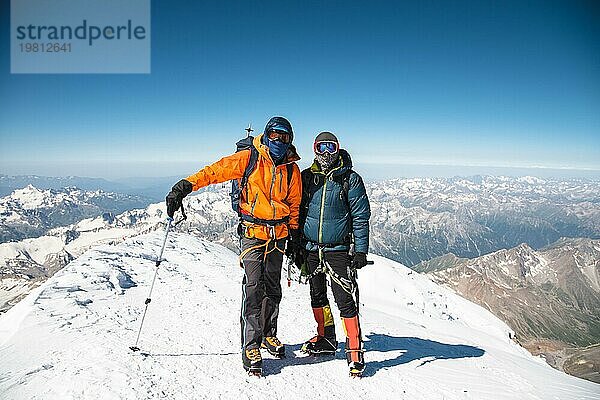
(344, 193)
(290, 171)
(249, 167)
(346, 187)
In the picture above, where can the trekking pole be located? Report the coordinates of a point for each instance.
(289, 271)
(148, 299)
(158, 261)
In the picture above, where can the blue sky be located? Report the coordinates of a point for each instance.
(513, 84)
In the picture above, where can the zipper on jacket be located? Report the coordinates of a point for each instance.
(325, 179)
(322, 208)
(273, 178)
(280, 181)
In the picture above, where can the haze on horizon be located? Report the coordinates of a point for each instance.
(146, 172)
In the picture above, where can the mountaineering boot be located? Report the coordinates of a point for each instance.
(273, 346)
(252, 361)
(324, 342)
(320, 346)
(354, 351)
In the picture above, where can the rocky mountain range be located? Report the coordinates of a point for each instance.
(550, 297)
(10, 183)
(31, 212)
(151, 188)
(413, 220)
(418, 219)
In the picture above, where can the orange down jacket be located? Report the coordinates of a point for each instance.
(266, 195)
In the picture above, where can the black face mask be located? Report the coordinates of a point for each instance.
(327, 160)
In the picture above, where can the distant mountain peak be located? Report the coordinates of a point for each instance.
(31, 212)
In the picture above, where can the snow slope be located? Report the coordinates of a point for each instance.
(69, 338)
(27, 263)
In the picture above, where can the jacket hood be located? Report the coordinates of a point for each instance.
(263, 150)
(344, 164)
(280, 123)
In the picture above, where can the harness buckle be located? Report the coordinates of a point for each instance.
(272, 234)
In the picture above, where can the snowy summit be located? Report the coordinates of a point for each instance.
(70, 337)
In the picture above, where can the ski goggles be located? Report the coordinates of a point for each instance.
(279, 135)
(326, 147)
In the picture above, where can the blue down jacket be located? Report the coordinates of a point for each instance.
(328, 215)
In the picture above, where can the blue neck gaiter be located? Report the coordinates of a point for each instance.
(277, 150)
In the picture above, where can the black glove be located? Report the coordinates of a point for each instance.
(359, 260)
(300, 258)
(293, 243)
(176, 195)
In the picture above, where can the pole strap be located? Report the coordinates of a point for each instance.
(183, 216)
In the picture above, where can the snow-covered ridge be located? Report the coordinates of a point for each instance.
(70, 338)
(31, 198)
(31, 212)
(27, 263)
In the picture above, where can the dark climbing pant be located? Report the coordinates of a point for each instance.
(339, 262)
(261, 290)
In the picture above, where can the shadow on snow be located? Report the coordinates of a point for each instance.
(273, 367)
(410, 348)
(146, 354)
(413, 349)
